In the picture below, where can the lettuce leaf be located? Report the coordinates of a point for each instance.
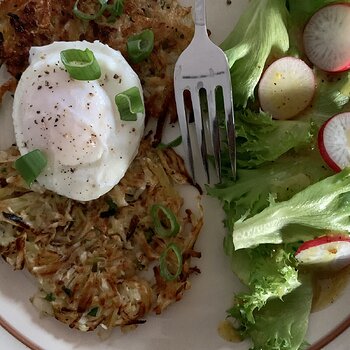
(270, 273)
(260, 30)
(301, 10)
(281, 194)
(255, 144)
(324, 205)
(332, 96)
(332, 93)
(282, 323)
(299, 13)
(281, 179)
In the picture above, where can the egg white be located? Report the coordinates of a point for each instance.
(76, 123)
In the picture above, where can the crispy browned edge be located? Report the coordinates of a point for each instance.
(318, 345)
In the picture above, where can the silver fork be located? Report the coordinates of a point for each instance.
(203, 65)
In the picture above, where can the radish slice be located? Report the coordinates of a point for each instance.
(327, 38)
(333, 251)
(286, 88)
(334, 141)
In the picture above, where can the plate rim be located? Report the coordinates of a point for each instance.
(318, 344)
(18, 335)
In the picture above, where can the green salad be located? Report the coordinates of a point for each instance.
(285, 194)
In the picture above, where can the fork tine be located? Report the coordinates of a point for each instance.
(230, 125)
(186, 140)
(200, 129)
(204, 65)
(214, 131)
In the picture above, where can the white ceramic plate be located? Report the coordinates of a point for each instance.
(192, 322)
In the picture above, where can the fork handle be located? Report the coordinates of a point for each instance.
(200, 16)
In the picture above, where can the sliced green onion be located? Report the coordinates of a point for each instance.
(159, 227)
(164, 271)
(129, 103)
(81, 65)
(90, 17)
(93, 312)
(31, 165)
(140, 45)
(171, 144)
(115, 10)
(118, 8)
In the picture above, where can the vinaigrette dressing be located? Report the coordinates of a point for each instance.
(328, 287)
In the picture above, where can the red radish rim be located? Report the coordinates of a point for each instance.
(341, 69)
(297, 59)
(322, 149)
(322, 240)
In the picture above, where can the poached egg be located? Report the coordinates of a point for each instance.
(76, 124)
